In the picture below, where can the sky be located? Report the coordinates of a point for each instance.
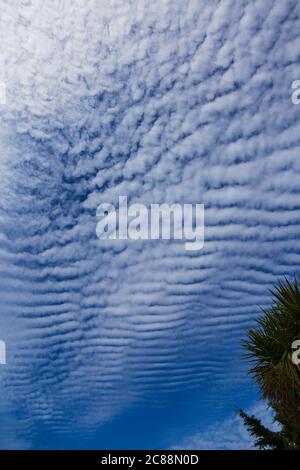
(137, 344)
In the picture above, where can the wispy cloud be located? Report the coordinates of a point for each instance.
(229, 434)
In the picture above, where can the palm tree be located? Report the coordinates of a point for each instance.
(269, 349)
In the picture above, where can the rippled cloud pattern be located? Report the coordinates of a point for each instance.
(161, 101)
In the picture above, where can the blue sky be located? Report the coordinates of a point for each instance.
(137, 344)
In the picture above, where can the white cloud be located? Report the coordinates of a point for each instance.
(229, 434)
(162, 101)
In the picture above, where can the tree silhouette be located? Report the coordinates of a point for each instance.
(269, 349)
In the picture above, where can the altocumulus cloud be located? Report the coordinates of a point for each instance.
(162, 101)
